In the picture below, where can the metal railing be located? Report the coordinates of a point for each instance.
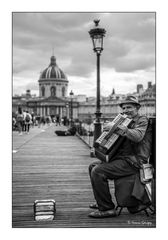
(85, 130)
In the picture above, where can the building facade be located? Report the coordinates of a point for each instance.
(54, 100)
(110, 105)
(53, 90)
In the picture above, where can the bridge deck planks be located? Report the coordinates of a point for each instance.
(50, 167)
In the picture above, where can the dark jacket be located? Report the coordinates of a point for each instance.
(136, 148)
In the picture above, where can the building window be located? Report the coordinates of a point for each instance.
(63, 91)
(53, 91)
(43, 91)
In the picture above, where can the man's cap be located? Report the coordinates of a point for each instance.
(130, 99)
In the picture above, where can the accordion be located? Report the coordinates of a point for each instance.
(108, 142)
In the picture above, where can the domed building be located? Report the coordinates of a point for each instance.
(53, 88)
(52, 81)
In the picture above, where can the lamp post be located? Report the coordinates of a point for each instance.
(71, 112)
(67, 107)
(97, 35)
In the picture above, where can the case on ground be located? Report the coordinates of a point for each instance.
(44, 210)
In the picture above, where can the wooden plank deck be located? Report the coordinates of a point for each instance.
(46, 166)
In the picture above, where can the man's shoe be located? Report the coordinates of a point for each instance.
(94, 206)
(139, 208)
(103, 214)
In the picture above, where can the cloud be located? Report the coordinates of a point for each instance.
(134, 63)
(129, 44)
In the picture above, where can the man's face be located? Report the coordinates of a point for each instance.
(130, 110)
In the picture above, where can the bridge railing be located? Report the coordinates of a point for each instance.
(85, 129)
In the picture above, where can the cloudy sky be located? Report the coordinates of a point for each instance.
(128, 57)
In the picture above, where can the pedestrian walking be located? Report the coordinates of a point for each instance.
(14, 123)
(19, 120)
(23, 124)
(28, 119)
(57, 120)
(33, 119)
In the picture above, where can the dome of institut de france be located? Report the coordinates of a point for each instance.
(53, 81)
(53, 71)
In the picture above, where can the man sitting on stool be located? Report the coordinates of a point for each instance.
(134, 151)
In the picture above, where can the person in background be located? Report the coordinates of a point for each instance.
(13, 123)
(33, 119)
(38, 121)
(43, 120)
(57, 120)
(19, 120)
(48, 120)
(28, 119)
(24, 125)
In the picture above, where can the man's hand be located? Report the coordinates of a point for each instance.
(108, 126)
(121, 130)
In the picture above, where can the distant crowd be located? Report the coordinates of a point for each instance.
(23, 120)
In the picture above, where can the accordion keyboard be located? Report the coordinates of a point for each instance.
(100, 139)
(111, 141)
(107, 139)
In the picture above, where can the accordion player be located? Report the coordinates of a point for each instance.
(107, 144)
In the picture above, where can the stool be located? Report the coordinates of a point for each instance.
(123, 193)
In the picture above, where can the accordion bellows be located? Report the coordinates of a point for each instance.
(108, 142)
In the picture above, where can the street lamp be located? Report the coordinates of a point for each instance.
(71, 112)
(67, 107)
(97, 35)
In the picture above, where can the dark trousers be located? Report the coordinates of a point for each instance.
(27, 127)
(100, 173)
